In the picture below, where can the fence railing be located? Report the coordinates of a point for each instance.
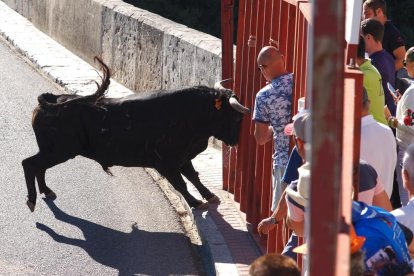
(247, 168)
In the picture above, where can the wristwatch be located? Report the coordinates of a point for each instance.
(273, 221)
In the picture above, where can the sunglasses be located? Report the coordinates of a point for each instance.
(262, 66)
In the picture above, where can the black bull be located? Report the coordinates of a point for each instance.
(161, 130)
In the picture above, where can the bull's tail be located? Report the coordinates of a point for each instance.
(48, 100)
(106, 80)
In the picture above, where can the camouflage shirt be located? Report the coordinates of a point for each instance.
(273, 106)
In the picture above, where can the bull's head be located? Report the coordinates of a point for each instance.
(233, 100)
(229, 129)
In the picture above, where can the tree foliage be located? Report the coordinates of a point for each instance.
(401, 14)
(204, 15)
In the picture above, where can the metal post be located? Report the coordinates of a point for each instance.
(327, 95)
(227, 72)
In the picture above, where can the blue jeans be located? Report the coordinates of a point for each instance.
(277, 185)
(290, 245)
(404, 197)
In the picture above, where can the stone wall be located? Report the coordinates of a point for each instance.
(145, 51)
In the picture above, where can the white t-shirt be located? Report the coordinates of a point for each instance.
(405, 134)
(405, 215)
(379, 149)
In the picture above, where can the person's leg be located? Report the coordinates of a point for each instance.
(278, 186)
(290, 245)
(402, 191)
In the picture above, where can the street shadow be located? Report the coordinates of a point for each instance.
(240, 243)
(136, 252)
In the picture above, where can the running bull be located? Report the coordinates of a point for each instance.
(163, 130)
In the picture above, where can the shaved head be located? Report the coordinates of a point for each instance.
(271, 62)
(267, 54)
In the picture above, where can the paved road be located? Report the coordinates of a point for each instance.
(98, 225)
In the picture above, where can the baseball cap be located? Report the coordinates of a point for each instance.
(301, 110)
(357, 242)
(301, 196)
(301, 125)
(409, 55)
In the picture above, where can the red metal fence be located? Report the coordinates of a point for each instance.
(247, 168)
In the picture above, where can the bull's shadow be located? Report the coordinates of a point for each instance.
(136, 252)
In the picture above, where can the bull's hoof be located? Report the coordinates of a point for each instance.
(51, 195)
(31, 205)
(214, 200)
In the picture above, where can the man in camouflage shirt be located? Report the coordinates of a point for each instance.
(272, 112)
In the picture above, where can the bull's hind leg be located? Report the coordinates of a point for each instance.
(192, 175)
(43, 189)
(177, 181)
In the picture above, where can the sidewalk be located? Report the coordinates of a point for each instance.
(221, 229)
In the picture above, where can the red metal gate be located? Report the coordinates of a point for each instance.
(247, 168)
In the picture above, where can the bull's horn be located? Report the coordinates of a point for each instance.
(237, 106)
(219, 85)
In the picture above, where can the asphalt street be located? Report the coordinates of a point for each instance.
(98, 225)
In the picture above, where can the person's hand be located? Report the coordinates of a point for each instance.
(266, 225)
(387, 113)
(252, 41)
(396, 98)
(273, 42)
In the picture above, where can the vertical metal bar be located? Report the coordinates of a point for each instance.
(244, 155)
(263, 168)
(227, 70)
(272, 238)
(249, 161)
(227, 38)
(243, 83)
(327, 136)
(253, 188)
(241, 60)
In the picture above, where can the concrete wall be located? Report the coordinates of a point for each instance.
(144, 50)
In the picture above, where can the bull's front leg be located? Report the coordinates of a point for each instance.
(29, 174)
(177, 181)
(192, 175)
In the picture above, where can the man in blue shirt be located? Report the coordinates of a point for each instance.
(372, 31)
(392, 42)
(385, 246)
(272, 112)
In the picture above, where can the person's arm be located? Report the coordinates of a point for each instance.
(405, 103)
(297, 226)
(278, 215)
(411, 249)
(263, 133)
(382, 200)
(295, 218)
(399, 54)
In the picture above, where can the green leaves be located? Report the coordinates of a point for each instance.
(401, 14)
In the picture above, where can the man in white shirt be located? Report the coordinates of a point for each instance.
(378, 146)
(405, 214)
